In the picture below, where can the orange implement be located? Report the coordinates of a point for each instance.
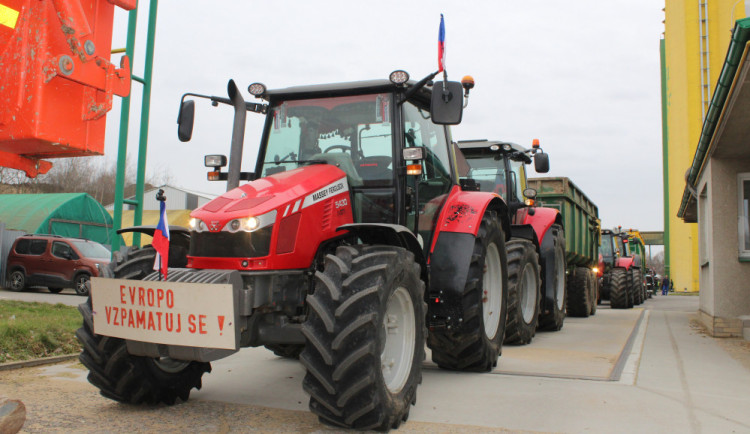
(56, 80)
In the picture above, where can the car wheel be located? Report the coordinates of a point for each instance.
(55, 290)
(81, 284)
(17, 281)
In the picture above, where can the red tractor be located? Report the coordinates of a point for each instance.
(351, 245)
(536, 249)
(619, 273)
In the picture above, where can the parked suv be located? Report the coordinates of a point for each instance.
(54, 262)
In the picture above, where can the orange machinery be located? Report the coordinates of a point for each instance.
(56, 80)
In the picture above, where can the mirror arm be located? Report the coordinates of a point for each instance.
(215, 100)
(418, 85)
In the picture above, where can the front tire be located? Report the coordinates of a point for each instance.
(17, 281)
(524, 283)
(579, 293)
(618, 291)
(365, 338)
(477, 345)
(134, 379)
(554, 316)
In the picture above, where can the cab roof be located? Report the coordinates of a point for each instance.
(484, 144)
(332, 89)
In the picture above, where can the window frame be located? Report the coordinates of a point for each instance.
(742, 219)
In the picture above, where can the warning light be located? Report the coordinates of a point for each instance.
(529, 202)
(414, 169)
(535, 143)
(437, 300)
(467, 82)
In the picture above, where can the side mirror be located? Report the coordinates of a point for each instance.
(529, 193)
(541, 162)
(185, 120)
(447, 103)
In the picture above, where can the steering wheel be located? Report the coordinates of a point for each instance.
(342, 147)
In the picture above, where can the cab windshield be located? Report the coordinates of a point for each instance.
(606, 247)
(353, 133)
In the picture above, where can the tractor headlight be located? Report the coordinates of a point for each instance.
(197, 225)
(252, 223)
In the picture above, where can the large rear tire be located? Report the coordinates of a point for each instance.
(365, 338)
(524, 289)
(618, 290)
(552, 319)
(477, 344)
(579, 293)
(127, 378)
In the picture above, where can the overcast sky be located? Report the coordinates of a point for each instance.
(581, 76)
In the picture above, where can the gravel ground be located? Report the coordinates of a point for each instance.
(59, 400)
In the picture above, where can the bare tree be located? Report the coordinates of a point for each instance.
(93, 175)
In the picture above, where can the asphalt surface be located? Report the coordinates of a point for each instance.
(650, 369)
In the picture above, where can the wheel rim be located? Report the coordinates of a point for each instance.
(528, 298)
(81, 285)
(560, 287)
(170, 365)
(400, 334)
(492, 301)
(16, 280)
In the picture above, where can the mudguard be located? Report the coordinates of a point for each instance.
(463, 212)
(452, 250)
(624, 262)
(525, 232)
(542, 219)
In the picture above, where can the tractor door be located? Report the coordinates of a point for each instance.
(433, 185)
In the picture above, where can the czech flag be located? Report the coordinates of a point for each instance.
(441, 45)
(161, 241)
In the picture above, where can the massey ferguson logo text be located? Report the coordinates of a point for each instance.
(330, 191)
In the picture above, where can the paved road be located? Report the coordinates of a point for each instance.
(68, 296)
(641, 370)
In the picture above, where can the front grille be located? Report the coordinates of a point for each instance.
(231, 245)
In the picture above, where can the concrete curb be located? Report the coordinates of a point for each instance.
(37, 362)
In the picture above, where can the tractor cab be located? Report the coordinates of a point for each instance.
(499, 167)
(389, 137)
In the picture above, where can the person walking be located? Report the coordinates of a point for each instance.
(665, 285)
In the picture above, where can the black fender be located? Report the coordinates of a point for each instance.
(392, 235)
(449, 269)
(525, 232)
(547, 261)
(178, 235)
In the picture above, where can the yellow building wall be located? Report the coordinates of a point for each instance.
(682, 38)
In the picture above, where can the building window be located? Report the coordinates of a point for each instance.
(743, 193)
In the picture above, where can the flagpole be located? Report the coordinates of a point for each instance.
(162, 199)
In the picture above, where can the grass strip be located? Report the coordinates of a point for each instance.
(29, 330)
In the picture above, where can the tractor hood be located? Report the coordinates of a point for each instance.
(273, 197)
